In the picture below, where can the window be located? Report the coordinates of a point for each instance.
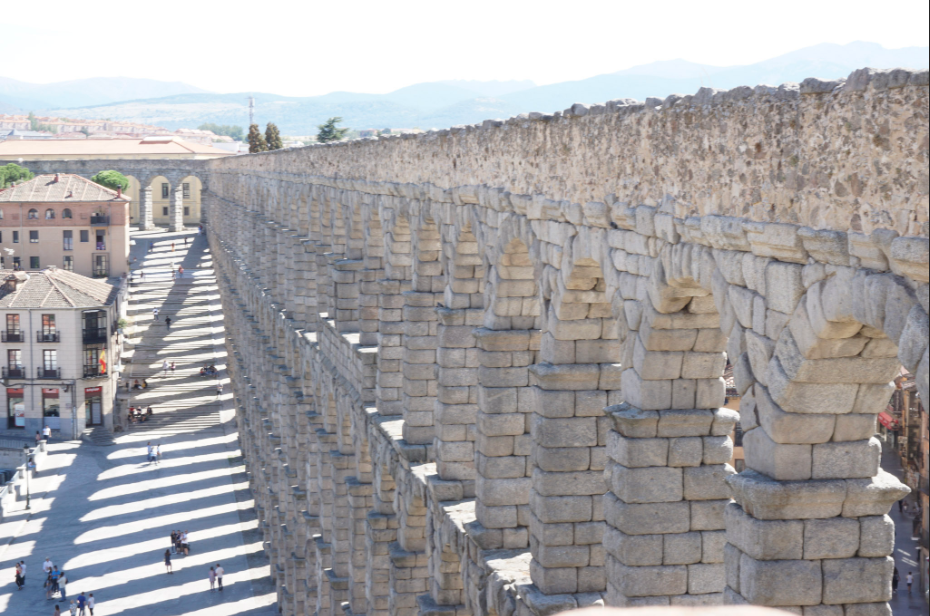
(16, 237)
(50, 360)
(164, 211)
(50, 406)
(187, 211)
(66, 213)
(14, 358)
(164, 191)
(17, 263)
(33, 214)
(34, 237)
(15, 410)
(67, 240)
(101, 237)
(34, 263)
(1, 214)
(68, 263)
(93, 366)
(101, 266)
(85, 236)
(186, 190)
(49, 214)
(12, 324)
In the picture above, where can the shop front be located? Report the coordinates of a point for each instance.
(51, 409)
(15, 409)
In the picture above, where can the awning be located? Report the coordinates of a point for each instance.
(888, 421)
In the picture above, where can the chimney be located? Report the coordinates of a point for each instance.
(57, 177)
(119, 192)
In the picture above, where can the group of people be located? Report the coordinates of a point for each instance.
(209, 371)
(136, 415)
(140, 385)
(155, 312)
(57, 582)
(180, 543)
(166, 367)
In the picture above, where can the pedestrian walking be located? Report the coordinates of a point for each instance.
(219, 576)
(57, 611)
(172, 246)
(186, 240)
(910, 580)
(212, 577)
(81, 604)
(73, 608)
(62, 584)
(90, 603)
(168, 561)
(168, 322)
(141, 275)
(19, 577)
(172, 366)
(22, 569)
(895, 580)
(185, 543)
(149, 452)
(154, 314)
(219, 390)
(47, 434)
(157, 452)
(164, 367)
(181, 271)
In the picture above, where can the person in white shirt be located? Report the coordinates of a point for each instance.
(22, 570)
(48, 565)
(90, 603)
(47, 433)
(219, 576)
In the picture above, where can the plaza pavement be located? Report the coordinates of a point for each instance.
(103, 514)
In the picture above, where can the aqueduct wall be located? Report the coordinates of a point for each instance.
(478, 371)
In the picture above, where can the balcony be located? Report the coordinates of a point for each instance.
(48, 373)
(46, 336)
(95, 334)
(92, 372)
(9, 336)
(99, 220)
(14, 373)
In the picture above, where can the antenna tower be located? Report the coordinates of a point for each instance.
(251, 110)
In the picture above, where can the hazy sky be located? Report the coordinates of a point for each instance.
(302, 48)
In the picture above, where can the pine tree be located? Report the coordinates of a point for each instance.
(257, 143)
(273, 137)
(329, 132)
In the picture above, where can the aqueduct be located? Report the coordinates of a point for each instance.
(479, 371)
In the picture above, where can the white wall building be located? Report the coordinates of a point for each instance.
(60, 351)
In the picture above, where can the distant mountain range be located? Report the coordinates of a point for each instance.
(437, 104)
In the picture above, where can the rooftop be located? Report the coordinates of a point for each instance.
(53, 288)
(69, 188)
(150, 147)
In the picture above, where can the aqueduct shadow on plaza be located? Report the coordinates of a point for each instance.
(479, 370)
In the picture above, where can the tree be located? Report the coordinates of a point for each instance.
(235, 132)
(329, 131)
(13, 173)
(257, 143)
(35, 125)
(273, 137)
(111, 179)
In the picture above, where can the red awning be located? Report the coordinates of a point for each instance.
(888, 421)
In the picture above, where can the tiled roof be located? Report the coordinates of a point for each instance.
(53, 288)
(136, 148)
(68, 189)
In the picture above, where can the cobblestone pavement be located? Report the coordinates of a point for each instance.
(104, 514)
(905, 549)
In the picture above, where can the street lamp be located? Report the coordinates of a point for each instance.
(26, 455)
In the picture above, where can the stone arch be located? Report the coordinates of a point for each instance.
(811, 419)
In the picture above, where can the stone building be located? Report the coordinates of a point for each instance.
(59, 352)
(480, 370)
(65, 221)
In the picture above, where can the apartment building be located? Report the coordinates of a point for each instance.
(66, 221)
(59, 350)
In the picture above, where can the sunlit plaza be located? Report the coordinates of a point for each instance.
(103, 514)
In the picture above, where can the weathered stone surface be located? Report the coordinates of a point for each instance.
(764, 540)
(832, 538)
(780, 582)
(857, 580)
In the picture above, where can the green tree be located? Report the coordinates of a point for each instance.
(34, 124)
(273, 137)
(13, 173)
(257, 143)
(111, 179)
(329, 131)
(223, 129)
